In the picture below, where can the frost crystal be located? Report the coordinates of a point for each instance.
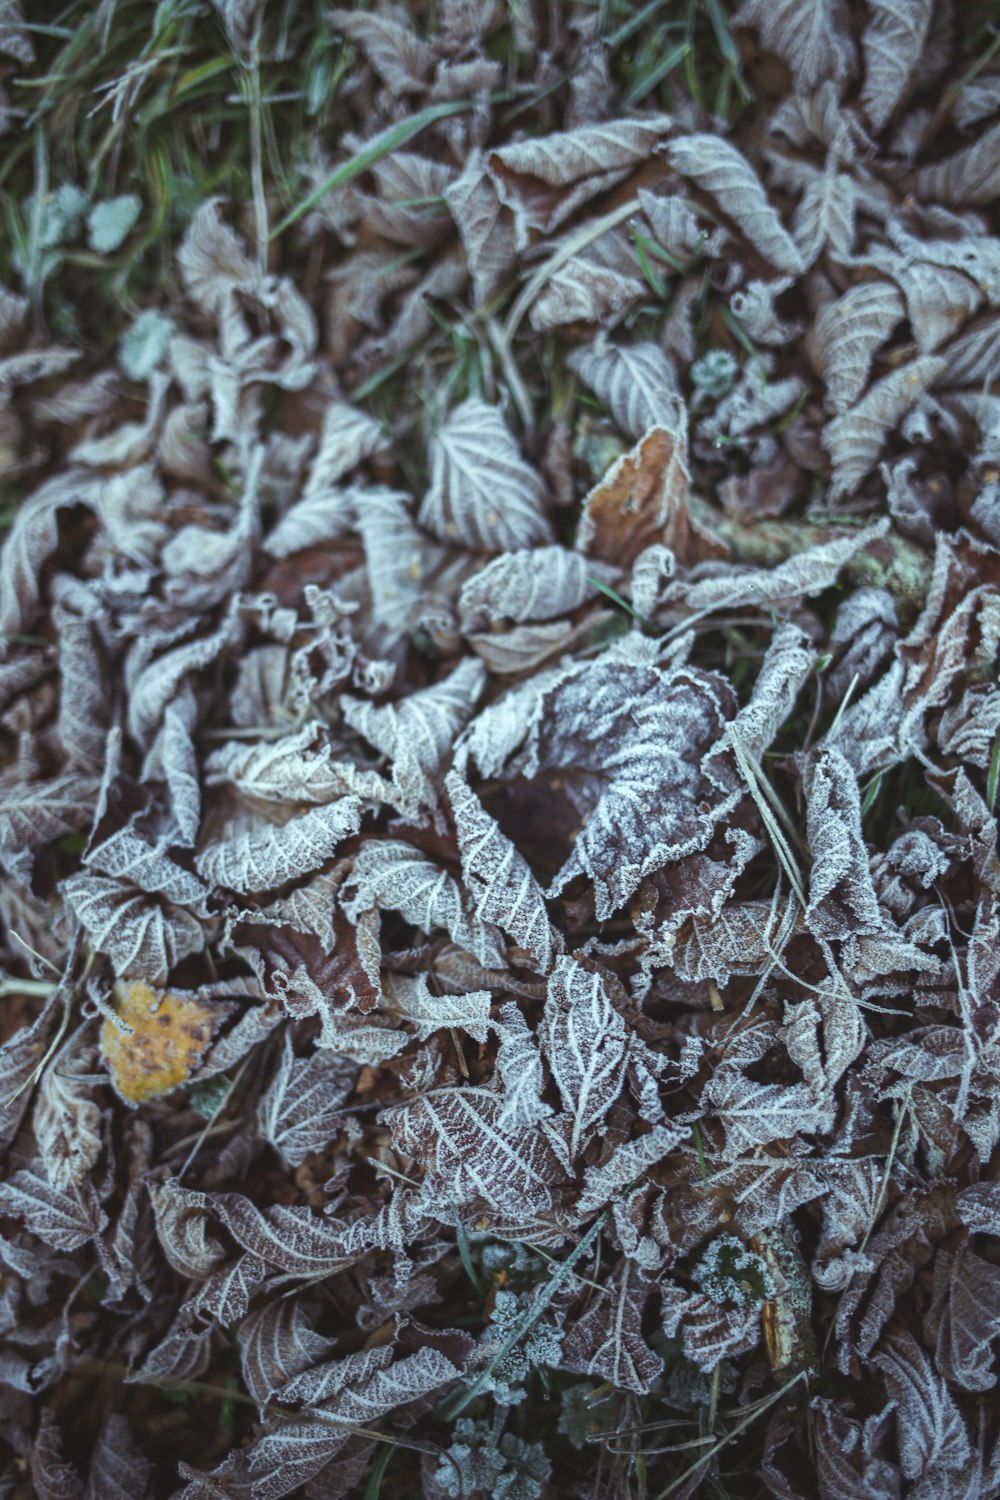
(538, 1349)
(144, 345)
(109, 224)
(715, 372)
(729, 1272)
(508, 1468)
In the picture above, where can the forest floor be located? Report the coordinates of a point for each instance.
(499, 747)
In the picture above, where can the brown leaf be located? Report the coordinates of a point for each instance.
(642, 500)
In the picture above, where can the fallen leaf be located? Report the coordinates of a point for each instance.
(168, 1034)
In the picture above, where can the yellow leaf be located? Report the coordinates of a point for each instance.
(169, 1033)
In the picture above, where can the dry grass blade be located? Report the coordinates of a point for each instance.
(764, 796)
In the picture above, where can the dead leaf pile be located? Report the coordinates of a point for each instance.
(500, 745)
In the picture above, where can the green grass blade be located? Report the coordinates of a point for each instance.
(616, 598)
(529, 1317)
(666, 65)
(465, 1255)
(381, 145)
(876, 785)
(993, 775)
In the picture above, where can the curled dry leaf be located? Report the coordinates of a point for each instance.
(640, 502)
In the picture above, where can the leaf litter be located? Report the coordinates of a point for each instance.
(500, 723)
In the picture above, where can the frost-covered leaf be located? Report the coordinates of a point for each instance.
(310, 907)
(847, 333)
(812, 37)
(172, 759)
(544, 179)
(709, 1331)
(630, 738)
(486, 226)
(53, 1479)
(786, 666)
(482, 494)
(842, 898)
(276, 1344)
(585, 1044)
(110, 223)
(141, 936)
(418, 732)
(476, 1460)
(754, 403)
(83, 702)
(754, 1113)
(970, 1323)
(825, 214)
(31, 540)
(854, 440)
(508, 1367)
(398, 560)
(938, 301)
(297, 768)
(182, 1354)
(641, 501)
(970, 177)
(347, 437)
(126, 855)
(294, 1451)
(972, 357)
(850, 1455)
(541, 583)
(525, 648)
(892, 43)
(182, 1224)
(226, 1292)
(391, 875)
(212, 261)
(145, 343)
(307, 978)
(597, 284)
(626, 1164)
(399, 56)
(607, 1342)
(118, 1471)
(312, 522)
(932, 1437)
(62, 215)
(455, 1137)
(301, 1109)
(37, 813)
(725, 173)
(63, 1218)
(409, 208)
(636, 382)
(519, 1066)
(66, 1121)
(411, 1000)
(20, 1055)
(505, 891)
(156, 684)
(261, 856)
